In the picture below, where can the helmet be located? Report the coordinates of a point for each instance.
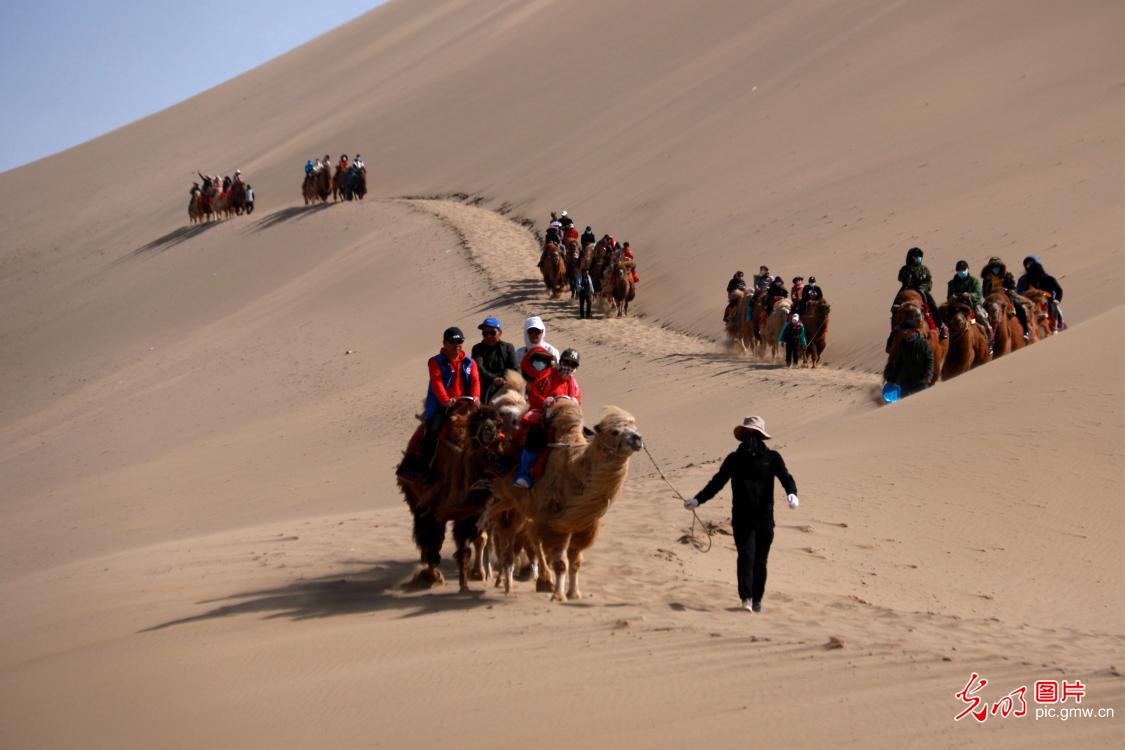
(569, 355)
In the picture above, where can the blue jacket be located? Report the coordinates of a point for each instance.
(467, 365)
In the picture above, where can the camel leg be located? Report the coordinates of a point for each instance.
(429, 533)
(575, 566)
(558, 557)
(477, 570)
(464, 532)
(540, 570)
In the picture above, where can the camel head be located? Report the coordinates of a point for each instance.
(485, 426)
(617, 433)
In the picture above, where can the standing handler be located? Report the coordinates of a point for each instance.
(751, 470)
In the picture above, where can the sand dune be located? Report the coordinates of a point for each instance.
(202, 540)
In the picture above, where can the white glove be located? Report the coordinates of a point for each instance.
(548, 402)
(793, 501)
(690, 503)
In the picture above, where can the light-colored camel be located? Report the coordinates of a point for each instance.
(1039, 317)
(968, 340)
(740, 324)
(816, 323)
(1006, 326)
(564, 507)
(774, 323)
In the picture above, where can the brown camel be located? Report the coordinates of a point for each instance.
(910, 305)
(463, 454)
(586, 259)
(1006, 326)
(816, 322)
(624, 290)
(968, 340)
(553, 267)
(565, 506)
(774, 323)
(195, 209)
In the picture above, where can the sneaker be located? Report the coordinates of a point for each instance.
(521, 482)
(756, 606)
(747, 605)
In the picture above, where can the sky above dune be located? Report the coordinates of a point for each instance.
(72, 70)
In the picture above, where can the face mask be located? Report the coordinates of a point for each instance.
(539, 365)
(916, 260)
(995, 270)
(962, 274)
(564, 370)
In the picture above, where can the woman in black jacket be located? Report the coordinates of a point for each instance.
(751, 470)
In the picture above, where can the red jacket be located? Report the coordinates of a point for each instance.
(552, 384)
(455, 389)
(570, 234)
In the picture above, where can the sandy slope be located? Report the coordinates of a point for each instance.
(201, 539)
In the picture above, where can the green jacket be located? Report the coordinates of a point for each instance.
(916, 277)
(971, 284)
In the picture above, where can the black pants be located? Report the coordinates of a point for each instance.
(585, 305)
(792, 353)
(429, 440)
(753, 546)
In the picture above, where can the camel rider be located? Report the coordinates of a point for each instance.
(995, 277)
(534, 334)
(797, 290)
(493, 356)
(751, 471)
(762, 280)
(966, 288)
(913, 366)
(737, 283)
(452, 375)
(357, 162)
(776, 291)
(588, 237)
(310, 167)
(552, 382)
(195, 191)
(551, 236)
(206, 181)
(226, 183)
(342, 165)
(237, 177)
(810, 293)
(565, 220)
(1035, 277)
(914, 275)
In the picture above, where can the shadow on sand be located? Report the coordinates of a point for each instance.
(380, 589)
(173, 238)
(288, 214)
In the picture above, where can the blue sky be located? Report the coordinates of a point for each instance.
(71, 70)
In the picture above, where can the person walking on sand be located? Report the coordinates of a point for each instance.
(751, 470)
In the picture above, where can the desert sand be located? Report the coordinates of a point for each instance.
(202, 542)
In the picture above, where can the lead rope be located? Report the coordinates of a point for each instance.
(695, 516)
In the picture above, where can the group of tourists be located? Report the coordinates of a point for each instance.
(768, 291)
(912, 367)
(349, 180)
(212, 197)
(590, 262)
(547, 375)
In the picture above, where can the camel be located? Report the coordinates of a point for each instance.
(565, 506)
(624, 290)
(1040, 319)
(1007, 331)
(968, 340)
(740, 325)
(308, 188)
(816, 322)
(462, 456)
(586, 257)
(553, 268)
(909, 305)
(195, 209)
(775, 321)
(317, 186)
(236, 199)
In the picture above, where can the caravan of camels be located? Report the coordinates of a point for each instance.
(348, 183)
(474, 483)
(216, 199)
